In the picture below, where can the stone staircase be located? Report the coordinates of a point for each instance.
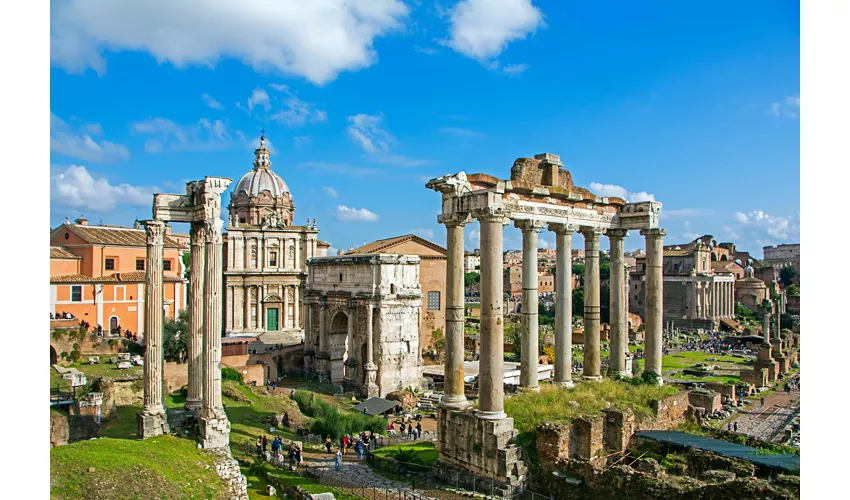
(430, 401)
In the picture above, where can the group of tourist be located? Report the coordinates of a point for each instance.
(294, 454)
(412, 432)
(62, 315)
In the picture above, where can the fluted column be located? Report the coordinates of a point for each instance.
(654, 303)
(454, 397)
(713, 300)
(563, 304)
(491, 376)
(592, 361)
(704, 299)
(323, 355)
(151, 421)
(371, 368)
(195, 395)
(529, 322)
(619, 322)
(212, 407)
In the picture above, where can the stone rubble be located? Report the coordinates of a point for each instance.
(227, 468)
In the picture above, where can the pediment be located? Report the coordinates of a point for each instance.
(272, 298)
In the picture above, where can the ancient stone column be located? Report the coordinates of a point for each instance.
(371, 368)
(214, 426)
(592, 362)
(563, 304)
(491, 375)
(195, 395)
(766, 326)
(713, 298)
(530, 338)
(704, 299)
(454, 397)
(323, 355)
(619, 322)
(151, 421)
(654, 302)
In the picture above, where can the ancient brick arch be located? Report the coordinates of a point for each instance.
(54, 357)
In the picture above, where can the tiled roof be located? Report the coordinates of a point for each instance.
(684, 252)
(131, 277)
(103, 235)
(61, 253)
(381, 245)
(323, 244)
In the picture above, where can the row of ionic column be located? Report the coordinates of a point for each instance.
(723, 299)
(491, 367)
(204, 336)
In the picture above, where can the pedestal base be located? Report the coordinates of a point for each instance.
(215, 432)
(565, 383)
(455, 403)
(371, 390)
(149, 425)
(193, 405)
(535, 388)
(592, 378)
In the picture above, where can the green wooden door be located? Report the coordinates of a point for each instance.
(271, 318)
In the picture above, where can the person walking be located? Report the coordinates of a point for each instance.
(358, 448)
(729, 426)
(343, 441)
(762, 402)
(259, 447)
(328, 442)
(410, 434)
(265, 444)
(736, 426)
(337, 459)
(418, 430)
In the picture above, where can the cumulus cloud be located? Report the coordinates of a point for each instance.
(206, 135)
(294, 112)
(77, 142)
(316, 40)
(211, 102)
(613, 190)
(788, 107)
(345, 213)
(482, 29)
(367, 132)
(76, 187)
(331, 192)
(763, 229)
(424, 233)
(473, 237)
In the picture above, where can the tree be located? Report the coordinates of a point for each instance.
(786, 320)
(187, 263)
(471, 279)
(176, 336)
(604, 304)
(578, 269)
(793, 290)
(578, 302)
(438, 344)
(787, 275)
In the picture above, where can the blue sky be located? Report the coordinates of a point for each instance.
(693, 104)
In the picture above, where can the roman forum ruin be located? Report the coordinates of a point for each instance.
(539, 194)
(201, 207)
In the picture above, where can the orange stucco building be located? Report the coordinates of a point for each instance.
(97, 273)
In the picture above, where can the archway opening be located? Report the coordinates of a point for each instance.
(54, 358)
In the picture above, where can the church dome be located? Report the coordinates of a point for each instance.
(261, 197)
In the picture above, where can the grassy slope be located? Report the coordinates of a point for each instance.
(162, 467)
(425, 453)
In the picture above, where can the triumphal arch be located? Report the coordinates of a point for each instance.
(201, 207)
(539, 194)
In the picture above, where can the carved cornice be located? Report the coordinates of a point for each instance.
(617, 233)
(155, 232)
(529, 225)
(653, 233)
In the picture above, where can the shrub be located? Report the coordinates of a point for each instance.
(228, 373)
(330, 420)
(58, 333)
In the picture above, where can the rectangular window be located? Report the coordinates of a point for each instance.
(140, 264)
(109, 264)
(166, 265)
(273, 259)
(434, 301)
(76, 294)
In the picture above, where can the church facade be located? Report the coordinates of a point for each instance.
(266, 256)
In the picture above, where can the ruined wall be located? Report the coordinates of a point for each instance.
(397, 343)
(66, 428)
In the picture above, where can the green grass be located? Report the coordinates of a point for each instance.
(246, 417)
(104, 369)
(552, 404)
(161, 467)
(415, 453)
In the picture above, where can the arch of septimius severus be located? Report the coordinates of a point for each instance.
(201, 207)
(539, 194)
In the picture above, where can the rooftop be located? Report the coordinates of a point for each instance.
(110, 235)
(61, 253)
(131, 277)
(380, 246)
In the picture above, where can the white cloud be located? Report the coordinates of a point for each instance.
(366, 131)
(425, 50)
(331, 192)
(259, 97)
(542, 243)
(295, 112)
(355, 214)
(788, 107)
(613, 190)
(685, 212)
(301, 141)
(763, 228)
(515, 69)
(316, 40)
(206, 135)
(460, 132)
(482, 29)
(75, 187)
(79, 144)
(211, 102)
(473, 237)
(424, 233)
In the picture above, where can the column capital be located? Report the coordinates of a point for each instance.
(490, 214)
(654, 233)
(529, 225)
(617, 233)
(197, 235)
(155, 231)
(560, 227)
(458, 219)
(213, 229)
(590, 232)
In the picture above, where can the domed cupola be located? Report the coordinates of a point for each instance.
(261, 197)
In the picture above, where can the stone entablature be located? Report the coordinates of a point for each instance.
(362, 317)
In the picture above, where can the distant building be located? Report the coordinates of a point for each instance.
(97, 273)
(471, 261)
